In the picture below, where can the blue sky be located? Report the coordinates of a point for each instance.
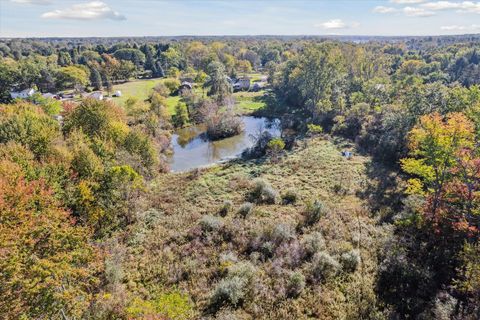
(41, 18)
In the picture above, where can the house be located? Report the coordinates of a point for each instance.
(49, 95)
(97, 95)
(242, 84)
(257, 86)
(187, 79)
(24, 94)
(185, 86)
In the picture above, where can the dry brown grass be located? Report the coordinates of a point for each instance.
(177, 253)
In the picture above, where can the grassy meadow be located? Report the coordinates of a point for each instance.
(194, 240)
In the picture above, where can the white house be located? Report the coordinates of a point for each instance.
(24, 94)
(50, 96)
(242, 84)
(97, 95)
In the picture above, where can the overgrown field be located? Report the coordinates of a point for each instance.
(286, 240)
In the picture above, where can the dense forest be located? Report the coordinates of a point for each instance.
(366, 207)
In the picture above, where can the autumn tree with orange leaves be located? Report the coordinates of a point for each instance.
(48, 267)
(446, 167)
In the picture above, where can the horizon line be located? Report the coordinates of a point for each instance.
(243, 35)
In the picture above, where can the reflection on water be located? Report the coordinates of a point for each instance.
(192, 149)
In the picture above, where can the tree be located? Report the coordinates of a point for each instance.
(72, 77)
(315, 75)
(244, 66)
(8, 78)
(97, 119)
(271, 68)
(171, 58)
(133, 55)
(107, 82)
(64, 59)
(159, 69)
(150, 63)
(218, 82)
(180, 118)
(46, 81)
(28, 125)
(48, 267)
(95, 79)
(435, 144)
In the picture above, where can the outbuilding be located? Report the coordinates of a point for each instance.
(24, 94)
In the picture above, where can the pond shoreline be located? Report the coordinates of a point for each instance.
(191, 148)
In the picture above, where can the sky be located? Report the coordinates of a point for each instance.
(105, 18)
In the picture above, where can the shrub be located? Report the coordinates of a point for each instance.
(267, 249)
(162, 89)
(260, 147)
(296, 284)
(227, 259)
(230, 290)
(210, 223)
(242, 269)
(282, 232)
(324, 266)
(313, 212)
(223, 125)
(270, 195)
(276, 144)
(314, 129)
(313, 243)
(275, 148)
(245, 209)
(172, 85)
(234, 287)
(180, 118)
(290, 197)
(226, 208)
(264, 193)
(171, 305)
(226, 314)
(444, 306)
(350, 260)
(150, 217)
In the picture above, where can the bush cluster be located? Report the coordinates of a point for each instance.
(264, 193)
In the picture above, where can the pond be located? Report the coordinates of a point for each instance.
(192, 149)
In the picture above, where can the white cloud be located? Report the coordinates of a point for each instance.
(417, 12)
(382, 9)
(93, 10)
(407, 1)
(336, 24)
(332, 24)
(465, 6)
(42, 2)
(472, 27)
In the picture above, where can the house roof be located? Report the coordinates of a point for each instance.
(28, 90)
(186, 84)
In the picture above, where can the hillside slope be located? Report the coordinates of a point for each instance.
(313, 258)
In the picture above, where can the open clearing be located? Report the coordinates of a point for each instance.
(245, 102)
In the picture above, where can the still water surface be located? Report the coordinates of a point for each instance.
(192, 149)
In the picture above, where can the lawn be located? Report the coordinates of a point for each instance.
(245, 102)
(139, 89)
(248, 102)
